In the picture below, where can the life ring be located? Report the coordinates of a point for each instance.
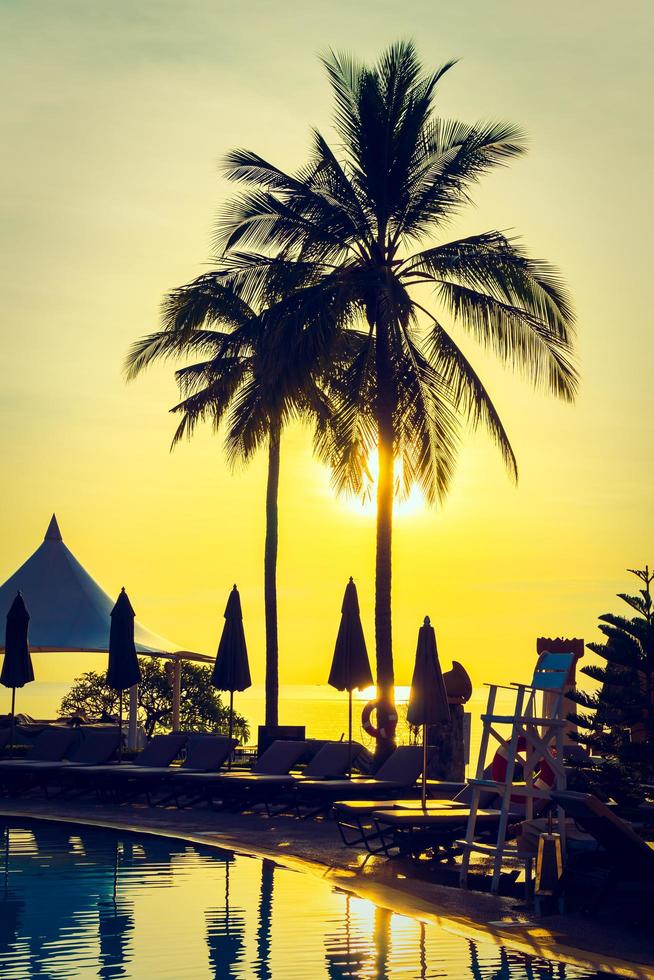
(385, 731)
(544, 775)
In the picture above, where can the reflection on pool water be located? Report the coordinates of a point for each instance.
(92, 903)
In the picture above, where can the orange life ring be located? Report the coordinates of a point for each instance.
(544, 775)
(385, 731)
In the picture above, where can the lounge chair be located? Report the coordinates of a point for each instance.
(628, 856)
(50, 745)
(93, 747)
(123, 778)
(331, 761)
(88, 748)
(410, 832)
(354, 818)
(397, 775)
(205, 754)
(234, 788)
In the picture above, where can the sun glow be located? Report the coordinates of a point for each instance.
(403, 505)
(370, 693)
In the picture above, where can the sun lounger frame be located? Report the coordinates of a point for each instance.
(413, 837)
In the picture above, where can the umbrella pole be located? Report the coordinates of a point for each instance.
(227, 895)
(116, 878)
(349, 729)
(120, 726)
(13, 720)
(231, 724)
(6, 861)
(424, 767)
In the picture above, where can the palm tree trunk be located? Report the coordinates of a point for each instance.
(385, 493)
(270, 579)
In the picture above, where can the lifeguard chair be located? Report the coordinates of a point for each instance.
(535, 747)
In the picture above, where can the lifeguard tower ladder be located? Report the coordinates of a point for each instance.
(535, 742)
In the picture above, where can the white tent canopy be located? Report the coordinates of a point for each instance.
(68, 609)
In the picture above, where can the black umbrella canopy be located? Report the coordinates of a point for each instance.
(350, 665)
(231, 671)
(428, 698)
(123, 671)
(17, 670)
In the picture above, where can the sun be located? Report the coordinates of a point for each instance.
(366, 504)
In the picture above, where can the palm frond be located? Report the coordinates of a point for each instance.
(450, 158)
(426, 426)
(207, 404)
(166, 344)
(519, 338)
(344, 74)
(468, 392)
(209, 299)
(500, 266)
(345, 438)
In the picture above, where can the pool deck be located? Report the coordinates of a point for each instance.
(315, 847)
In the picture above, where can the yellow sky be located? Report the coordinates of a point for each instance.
(114, 118)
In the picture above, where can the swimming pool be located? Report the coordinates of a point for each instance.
(83, 902)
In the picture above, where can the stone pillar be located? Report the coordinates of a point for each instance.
(177, 694)
(447, 739)
(132, 732)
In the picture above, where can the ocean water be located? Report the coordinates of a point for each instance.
(320, 708)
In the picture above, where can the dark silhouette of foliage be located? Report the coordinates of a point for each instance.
(243, 382)
(201, 707)
(617, 724)
(353, 247)
(338, 296)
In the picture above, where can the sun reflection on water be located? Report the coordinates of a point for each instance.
(370, 693)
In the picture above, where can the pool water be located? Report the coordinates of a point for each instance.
(82, 902)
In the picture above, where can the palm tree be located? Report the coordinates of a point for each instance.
(368, 219)
(240, 381)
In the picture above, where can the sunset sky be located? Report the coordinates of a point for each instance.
(114, 119)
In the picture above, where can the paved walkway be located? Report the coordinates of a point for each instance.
(314, 846)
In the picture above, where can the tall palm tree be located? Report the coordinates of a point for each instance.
(368, 219)
(241, 382)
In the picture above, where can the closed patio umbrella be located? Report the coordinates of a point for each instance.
(231, 670)
(350, 664)
(17, 670)
(226, 934)
(123, 671)
(428, 703)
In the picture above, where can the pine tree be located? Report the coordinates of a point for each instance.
(617, 724)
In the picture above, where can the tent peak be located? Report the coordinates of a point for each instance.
(53, 533)
(69, 611)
